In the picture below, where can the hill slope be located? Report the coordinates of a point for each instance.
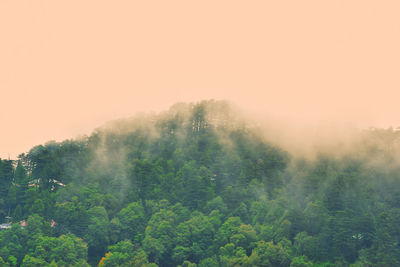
(200, 185)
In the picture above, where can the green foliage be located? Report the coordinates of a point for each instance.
(230, 255)
(30, 261)
(268, 254)
(209, 262)
(132, 220)
(3, 263)
(97, 234)
(300, 262)
(193, 239)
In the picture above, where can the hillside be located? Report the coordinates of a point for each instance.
(199, 185)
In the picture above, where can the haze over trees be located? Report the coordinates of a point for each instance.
(198, 185)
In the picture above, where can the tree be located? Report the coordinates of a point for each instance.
(132, 220)
(30, 261)
(193, 239)
(301, 262)
(268, 254)
(119, 254)
(63, 250)
(97, 235)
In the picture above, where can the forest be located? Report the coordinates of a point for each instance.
(199, 185)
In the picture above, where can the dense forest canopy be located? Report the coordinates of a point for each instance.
(198, 185)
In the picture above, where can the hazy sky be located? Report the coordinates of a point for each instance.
(66, 67)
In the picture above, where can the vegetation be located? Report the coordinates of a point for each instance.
(197, 186)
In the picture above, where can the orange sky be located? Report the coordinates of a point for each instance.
(66, 67)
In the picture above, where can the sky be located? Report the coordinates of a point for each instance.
(67, 67)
